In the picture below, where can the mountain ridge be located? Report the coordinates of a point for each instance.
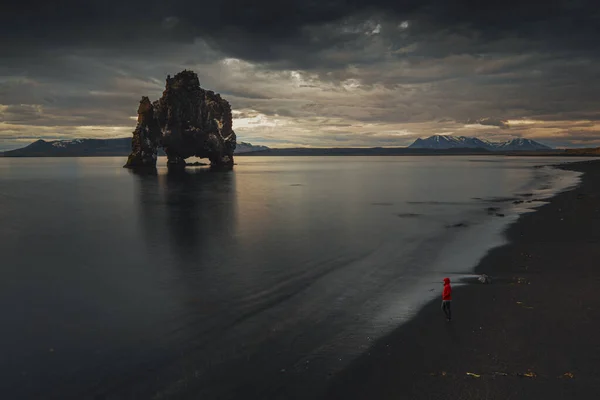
(122, 147)
(444, 142)
(94, 148)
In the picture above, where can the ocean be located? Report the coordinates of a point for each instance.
(256, 283)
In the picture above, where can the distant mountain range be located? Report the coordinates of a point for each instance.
(444, 142)
(243, 147)
(361, 151)
(434, 145)
(94, 148)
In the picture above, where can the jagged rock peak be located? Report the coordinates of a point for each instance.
(146, 137)
(186, 121)
(184, 79)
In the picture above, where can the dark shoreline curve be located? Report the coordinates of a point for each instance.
(541, 315)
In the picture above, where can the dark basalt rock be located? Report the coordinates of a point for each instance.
(146, 137)
(187, 121)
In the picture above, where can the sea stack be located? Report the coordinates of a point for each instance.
(187, 121)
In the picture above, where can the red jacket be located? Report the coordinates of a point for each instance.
(447, 293)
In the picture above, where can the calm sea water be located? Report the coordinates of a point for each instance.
(244, 284)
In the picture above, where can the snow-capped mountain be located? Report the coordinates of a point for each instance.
(243, 147)
(94, 147)
(521, 144)
(442, 142)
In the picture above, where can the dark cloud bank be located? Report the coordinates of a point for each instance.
(308, 72)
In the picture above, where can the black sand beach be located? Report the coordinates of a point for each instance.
(533, 333)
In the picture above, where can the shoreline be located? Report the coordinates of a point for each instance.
(517, 334)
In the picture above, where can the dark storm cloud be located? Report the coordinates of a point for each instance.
(490, 122)
(273, 30)
(20, 113)
(388, 66)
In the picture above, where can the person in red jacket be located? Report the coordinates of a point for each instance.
(447, 299)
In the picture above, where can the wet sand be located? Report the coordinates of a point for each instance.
(533, 333)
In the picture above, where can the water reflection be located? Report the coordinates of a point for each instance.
(190, 210)
(201, 210)
(188, 219)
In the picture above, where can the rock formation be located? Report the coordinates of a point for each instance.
(186, 121)
(146, 137)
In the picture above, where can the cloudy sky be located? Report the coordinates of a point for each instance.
(313, 73)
